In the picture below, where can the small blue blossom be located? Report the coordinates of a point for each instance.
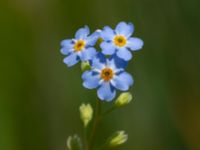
(107, 74)
(79, 48)
(119, 41)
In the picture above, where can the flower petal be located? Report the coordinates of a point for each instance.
(122, 81)
(118, 62)
(124, 54)
(88, 54)
(71, 60)
(107, 48)
(82, 33)
(124, 29)
(66, 51)
(92, 39)
(106, 91)
(91, 80)
(68, 43)
(99, 61)
(135, 43)
(107, 33)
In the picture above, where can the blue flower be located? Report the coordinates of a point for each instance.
(107, 74)
(119, 41)
(79, 48)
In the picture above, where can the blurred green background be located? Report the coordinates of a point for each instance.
(40, 96)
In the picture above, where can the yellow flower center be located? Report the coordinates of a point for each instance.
(107, 74)
(79, 45)
(120, 40)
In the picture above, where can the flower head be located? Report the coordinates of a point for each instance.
(119, 41)
(74, 142)
(79, 48)
(85, 65)
(86, 113)
(123, 99)
(119, 138)
(107, 74)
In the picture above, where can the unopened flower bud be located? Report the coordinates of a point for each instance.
(100, 40)
(86, 113)
(85, 65)
(118, 138)
(74, 143)
(123, 99)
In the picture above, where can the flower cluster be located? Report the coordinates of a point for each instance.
(107, 65)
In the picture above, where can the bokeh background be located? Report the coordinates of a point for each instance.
(40, 96)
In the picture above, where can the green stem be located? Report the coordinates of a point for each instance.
(95, 125)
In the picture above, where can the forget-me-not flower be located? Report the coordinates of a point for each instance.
(107, 74)
(119, 41)
(79, 48)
